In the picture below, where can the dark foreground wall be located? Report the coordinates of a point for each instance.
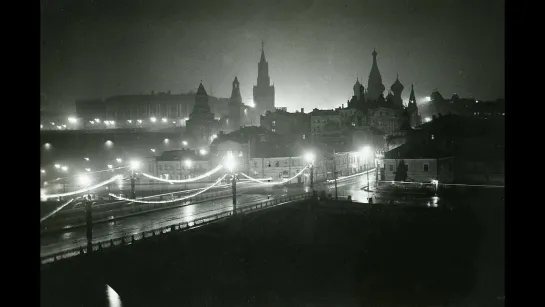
(288, 256)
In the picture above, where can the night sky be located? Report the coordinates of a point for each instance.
(315, 48)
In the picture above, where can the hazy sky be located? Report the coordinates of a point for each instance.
(315, 48)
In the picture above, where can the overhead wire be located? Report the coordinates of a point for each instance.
(185, 180)
(88, 189)
(168, 201)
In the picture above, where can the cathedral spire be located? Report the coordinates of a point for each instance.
(262, 60)
(235, 93)
(412, 98)
(374, 85)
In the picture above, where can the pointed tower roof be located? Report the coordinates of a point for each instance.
(235, 93)
(357, 84)
(412, 98)
(201, 90)
(263, 52)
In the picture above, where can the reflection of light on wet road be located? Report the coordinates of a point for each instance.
(113, 298)
(67, 235)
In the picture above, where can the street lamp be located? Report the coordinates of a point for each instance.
(72, 120)
(64, 168)
(202, 152)
(188, 166)
(119, 160)
(164, 120)
(231, 164)
(57, 166)
(184, 143)
(135, 165)
(42, 171)
(153, 119)
(309, 158)
(86, 159)
(366, 152)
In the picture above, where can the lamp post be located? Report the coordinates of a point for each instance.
(335, 174)
(309, 158)
(135, 165)
(230, 164)
(84, 180)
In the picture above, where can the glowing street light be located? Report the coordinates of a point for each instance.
(213, 137)
(184, 143)
(119, 160)
(109, 143)
(42, 171)
(164, 120)
(153, 119)
(187, 163)
(97, 120)
(87, 169)
(86, 159)
(72, 120)
(427, 99)
(139, 121)
(41, 126)
(152, 150)
(47, 146)
(92, 122)
(230, 162)
(166, 141)
(110, 166)
(309, 158)
(84, 180)
(427, 119)
(129, 121)
(64, 168)
(135, 165)
(57, 166)
(202, 152)
(64, 126)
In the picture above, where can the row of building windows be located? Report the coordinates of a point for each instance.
(425, 167)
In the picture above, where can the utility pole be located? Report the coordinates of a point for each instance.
(335, 174)
(234, 186)
(312, 177)
(367, 170)
(89, 224)
(133, 185)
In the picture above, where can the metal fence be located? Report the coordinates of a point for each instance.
(128, 240)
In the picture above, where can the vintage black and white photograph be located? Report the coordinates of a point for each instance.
(272, 153)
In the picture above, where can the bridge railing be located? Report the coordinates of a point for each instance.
(124, 208)
(128, 240)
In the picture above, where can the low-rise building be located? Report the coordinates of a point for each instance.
(177, 164)
(295, 125)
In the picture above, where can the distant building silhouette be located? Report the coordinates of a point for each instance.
(374, 85)
(201, 124)
(412, 109)
(263, 91)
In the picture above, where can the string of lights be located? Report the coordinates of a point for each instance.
(185, 180)
(56, 210)
(168, 201)
(94, 187)
(350, 176)
(274, 183)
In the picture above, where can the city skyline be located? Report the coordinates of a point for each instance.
(315, 55)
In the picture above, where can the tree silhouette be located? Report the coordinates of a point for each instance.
(401, 172)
